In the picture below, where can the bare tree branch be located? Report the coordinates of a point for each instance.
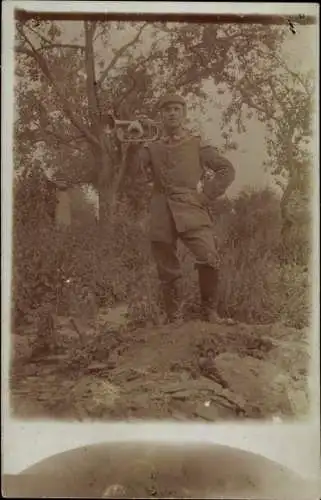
(126, 94)
(120, 52)
(67, 141)
(295, 75)
(48, 127)
(50, 44)
(276, 97)
(24, 50)
(62, 46)
(247, 96)
(65, 104)
(90, 70)
(248, 100)
(133, 86)
(33, 136)
(39, 135)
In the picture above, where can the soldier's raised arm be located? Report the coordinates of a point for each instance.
(222, 169)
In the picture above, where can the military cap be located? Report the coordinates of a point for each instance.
(171, 98)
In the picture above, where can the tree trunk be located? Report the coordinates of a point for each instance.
(105, 194)
(112, 172)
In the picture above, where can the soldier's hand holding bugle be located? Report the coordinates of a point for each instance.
(136, 129)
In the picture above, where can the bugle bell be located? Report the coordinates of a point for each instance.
(141, 130)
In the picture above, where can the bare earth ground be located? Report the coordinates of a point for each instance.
(195, 371)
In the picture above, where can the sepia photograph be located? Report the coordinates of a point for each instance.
(154, 470)
(162, 224)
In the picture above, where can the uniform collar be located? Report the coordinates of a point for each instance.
(173, 139)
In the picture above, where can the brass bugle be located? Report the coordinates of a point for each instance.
(143, 129)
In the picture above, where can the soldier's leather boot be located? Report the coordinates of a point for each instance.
(172, 303)
(208, 284)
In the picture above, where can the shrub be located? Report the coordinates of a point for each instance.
(45, 258)
(261, 282)
(249, 238)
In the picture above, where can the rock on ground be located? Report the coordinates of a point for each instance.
(193, 371)
(263, 386)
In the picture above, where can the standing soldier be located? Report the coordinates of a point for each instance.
(180, 164)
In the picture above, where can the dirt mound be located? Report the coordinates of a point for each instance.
(191, 371)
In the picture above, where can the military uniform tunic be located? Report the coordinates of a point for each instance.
(177, 209)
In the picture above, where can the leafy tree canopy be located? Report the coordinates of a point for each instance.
(69, 75)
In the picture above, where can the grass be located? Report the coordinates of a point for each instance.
(265, 277)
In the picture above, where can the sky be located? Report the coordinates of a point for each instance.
(300, 51)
